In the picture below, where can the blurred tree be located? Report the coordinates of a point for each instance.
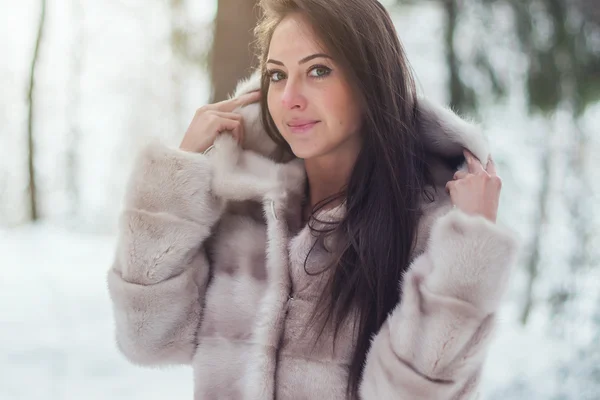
(32, 186)
(462, 95)
(564, 63)
(179, 46)
(190, 45)
(232, 56)
(73, 108)
(590, 9)
(559, 39)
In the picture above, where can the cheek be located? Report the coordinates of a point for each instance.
(275, 109)
(344, 114)
(271, 103)
(274, 102)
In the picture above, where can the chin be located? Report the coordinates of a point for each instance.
(305, 152)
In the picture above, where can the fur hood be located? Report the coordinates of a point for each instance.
(445, 135)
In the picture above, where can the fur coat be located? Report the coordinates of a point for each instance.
(209, 272)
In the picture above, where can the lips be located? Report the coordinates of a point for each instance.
(299, 126)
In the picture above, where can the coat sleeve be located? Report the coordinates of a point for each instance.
(434, 343)
(160, 271)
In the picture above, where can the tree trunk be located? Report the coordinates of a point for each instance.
(34, 215)
(454, 83)
(576, 288)
(532, 265)
(73, 109)
(232, 56)
(590, 10)
(462, 96)
(178, 42)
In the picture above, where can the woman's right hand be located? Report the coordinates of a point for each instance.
(214, 119)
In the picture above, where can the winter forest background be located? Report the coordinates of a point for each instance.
(83, 84)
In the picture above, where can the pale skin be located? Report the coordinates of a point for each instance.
(213, 119)
(308, 87)
(306, 84)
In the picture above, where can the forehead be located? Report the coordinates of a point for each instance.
(293, 39)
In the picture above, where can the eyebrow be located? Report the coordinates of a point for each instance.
(305, 59)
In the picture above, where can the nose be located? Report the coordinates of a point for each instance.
(293, 96)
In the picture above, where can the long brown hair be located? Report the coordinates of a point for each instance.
(389, 178)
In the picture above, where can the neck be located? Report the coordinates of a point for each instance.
(329, 174)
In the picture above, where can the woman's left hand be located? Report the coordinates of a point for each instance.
(476, 192)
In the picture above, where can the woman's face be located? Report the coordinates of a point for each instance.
(309, 99)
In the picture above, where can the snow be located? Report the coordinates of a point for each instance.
(57, 335)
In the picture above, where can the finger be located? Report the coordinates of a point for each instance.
(240, 133)
(237, 132)
(226, 124)
(241, 101)
(473, 163)
(228, 115)
(491, 167)
(460, 174)
(449, 186)
(250, 98)
(234, 133)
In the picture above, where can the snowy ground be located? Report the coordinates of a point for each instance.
(56, 336)
(56, 340)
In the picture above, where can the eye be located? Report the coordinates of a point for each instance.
(275, 75)
(320, 71)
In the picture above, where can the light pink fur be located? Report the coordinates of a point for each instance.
(209, 272)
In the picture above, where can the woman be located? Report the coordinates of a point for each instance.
(323, 243)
